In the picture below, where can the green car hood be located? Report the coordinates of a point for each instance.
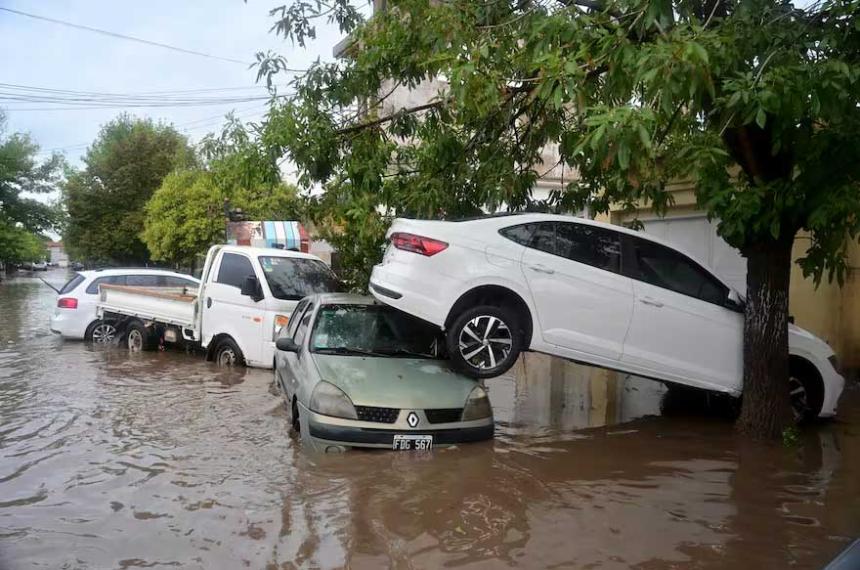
(411, 383)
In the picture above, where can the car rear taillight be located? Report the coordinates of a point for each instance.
(417, 244)
(67, 303)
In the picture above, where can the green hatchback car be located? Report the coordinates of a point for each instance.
(357, 373)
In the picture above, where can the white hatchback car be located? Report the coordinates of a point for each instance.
(75, 315)
(585, 291)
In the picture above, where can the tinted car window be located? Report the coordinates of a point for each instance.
(143, 280)
(593, 246)
(112, 280)
(72, 283)
(520, 234)
(302, 329)
(170, 281)
(663, 267)
(543, 237)
(234, 270)
(295, 318)
(292, 278)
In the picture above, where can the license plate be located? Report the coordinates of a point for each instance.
(412, 442)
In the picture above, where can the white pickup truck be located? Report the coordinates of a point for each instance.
(246, 295)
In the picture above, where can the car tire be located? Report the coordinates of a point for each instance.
(228, 353)
(295, 424)
(100, 332)
(484, 341)
(806, 396)
(138, 338)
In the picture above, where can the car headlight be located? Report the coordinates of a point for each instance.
(280, 322)
(477, 405)
(330, 400)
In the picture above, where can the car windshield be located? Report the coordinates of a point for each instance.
(373, 330)
(293, 278)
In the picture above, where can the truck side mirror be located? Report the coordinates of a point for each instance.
(287, 344)
(734, 301)
(251, 288)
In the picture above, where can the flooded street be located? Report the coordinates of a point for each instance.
(118, 460)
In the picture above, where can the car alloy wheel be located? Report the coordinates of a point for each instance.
(103, 333)
(799, 399)
(485, 341)
(227, 357)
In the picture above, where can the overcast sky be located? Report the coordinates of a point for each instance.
(42, 54)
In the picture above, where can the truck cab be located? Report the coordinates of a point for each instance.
(247, 294)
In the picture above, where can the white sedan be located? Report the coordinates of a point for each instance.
(75, 315)
(585, 291)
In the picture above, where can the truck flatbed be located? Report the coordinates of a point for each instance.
(175, 305)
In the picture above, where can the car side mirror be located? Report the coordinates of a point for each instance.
(251, 288)
(734, 301)
(287, 344)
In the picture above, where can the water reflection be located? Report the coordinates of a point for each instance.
(118, 460)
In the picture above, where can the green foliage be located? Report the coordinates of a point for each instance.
(186, 214)
(105, 201)
(184, 217)
(756, 100)
(22, 218)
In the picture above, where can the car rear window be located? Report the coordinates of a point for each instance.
(294, 278)
(72, 283)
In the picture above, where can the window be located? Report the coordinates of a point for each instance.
(295, 318)
(93, 288)
(663, 267)
(234, 270)
(142, 280)
(591, 245)
(293, 278)
(520, 234)
(355, 330)
(302, 329)
(72, 283)
(170, 281)
(543, 237)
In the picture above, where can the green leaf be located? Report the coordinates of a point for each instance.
(644, 137)
(761, 117)
(623, 155)
(774, 227)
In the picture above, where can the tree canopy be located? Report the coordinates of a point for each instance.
(23, 218)
(756, 101)
(122, 169)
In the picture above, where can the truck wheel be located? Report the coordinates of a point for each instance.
(228, 353)
(138, 338)
(100, 332)
(484, 341)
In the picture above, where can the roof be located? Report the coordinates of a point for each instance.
(267, 251)
(107, 272)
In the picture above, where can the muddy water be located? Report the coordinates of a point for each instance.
(111, 460)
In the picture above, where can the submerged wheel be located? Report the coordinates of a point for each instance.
(100, 332)
(800, 396)
(484, 341)
(138, 338)
(228, 353)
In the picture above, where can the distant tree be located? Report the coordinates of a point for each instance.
(184, 217)
(122, 170)
(758, 101)
(22, 219)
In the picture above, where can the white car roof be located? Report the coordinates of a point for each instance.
(134, 271)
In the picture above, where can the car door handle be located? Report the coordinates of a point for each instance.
(208, 302)
(542, 269)
(650, 301)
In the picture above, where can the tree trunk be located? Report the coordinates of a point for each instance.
(766, 410)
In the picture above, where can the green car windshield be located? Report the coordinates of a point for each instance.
(373, 330)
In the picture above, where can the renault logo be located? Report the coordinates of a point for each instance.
(412, 419)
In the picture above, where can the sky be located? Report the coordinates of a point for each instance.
(42, 54)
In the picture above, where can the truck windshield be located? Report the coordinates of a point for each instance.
(293, 278)
(373, 330)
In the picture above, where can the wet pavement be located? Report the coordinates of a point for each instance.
(117, 460)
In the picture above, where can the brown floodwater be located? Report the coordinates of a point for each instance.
(116, 460)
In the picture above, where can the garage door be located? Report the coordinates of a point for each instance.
(697, 236)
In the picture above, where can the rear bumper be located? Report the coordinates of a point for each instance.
(66, 324)
(404, 287)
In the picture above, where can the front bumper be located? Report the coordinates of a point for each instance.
(327, 431)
